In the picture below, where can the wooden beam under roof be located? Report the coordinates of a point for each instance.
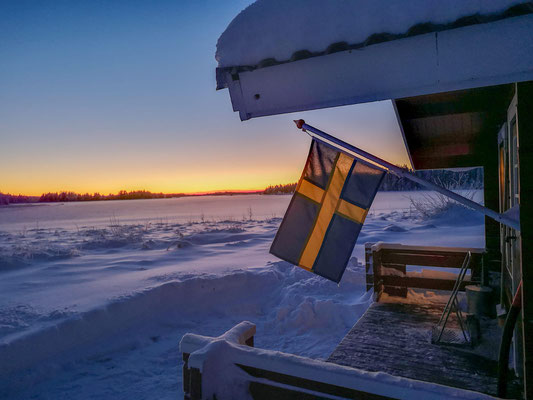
(445, 130)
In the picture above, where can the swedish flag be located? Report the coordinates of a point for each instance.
(327, 211)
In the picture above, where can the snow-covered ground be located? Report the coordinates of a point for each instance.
(94, 297)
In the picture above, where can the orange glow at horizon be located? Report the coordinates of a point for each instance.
(113, 181)
(108, 181)
(170, 187)
(238, 157)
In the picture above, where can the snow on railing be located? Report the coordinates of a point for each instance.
(242, 333)
(227, 368)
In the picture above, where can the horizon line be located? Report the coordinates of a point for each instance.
(198, 193)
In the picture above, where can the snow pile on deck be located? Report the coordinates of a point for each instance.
(278, 28)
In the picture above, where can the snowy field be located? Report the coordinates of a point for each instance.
(95, 297)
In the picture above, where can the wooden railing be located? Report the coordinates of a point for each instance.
(242, 333)
(386, 267)
(228, 367)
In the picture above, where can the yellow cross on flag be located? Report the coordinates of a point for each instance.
(327, 211)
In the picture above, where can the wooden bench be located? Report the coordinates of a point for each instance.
(386, 267)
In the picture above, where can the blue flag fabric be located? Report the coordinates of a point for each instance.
(327, 211)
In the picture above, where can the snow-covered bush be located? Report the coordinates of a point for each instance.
(433, 204)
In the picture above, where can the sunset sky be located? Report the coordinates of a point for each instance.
(110, 95)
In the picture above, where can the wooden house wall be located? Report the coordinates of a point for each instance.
(525, 128)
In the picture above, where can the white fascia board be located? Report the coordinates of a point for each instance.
(473, 56)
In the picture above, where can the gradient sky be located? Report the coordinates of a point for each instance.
(110, 95)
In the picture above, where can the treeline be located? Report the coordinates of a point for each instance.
(470, 179)
(7, 198)
(122, 195)
(280, 189)
(63, 197)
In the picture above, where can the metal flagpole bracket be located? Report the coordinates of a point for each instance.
(510, 219)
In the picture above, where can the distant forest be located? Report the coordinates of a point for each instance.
(122, 195)
(471, 179)
(13, 199)
(281, 189)
(62, 197)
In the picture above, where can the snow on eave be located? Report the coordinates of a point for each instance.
(272, 32)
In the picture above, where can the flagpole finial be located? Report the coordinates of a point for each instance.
(300, 123)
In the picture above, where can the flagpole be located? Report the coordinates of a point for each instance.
(406, 174)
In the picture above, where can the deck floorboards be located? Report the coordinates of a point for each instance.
(396, 338)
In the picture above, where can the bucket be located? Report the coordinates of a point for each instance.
(480, 301)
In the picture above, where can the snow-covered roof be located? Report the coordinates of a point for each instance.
(270, 32)
(281, 56)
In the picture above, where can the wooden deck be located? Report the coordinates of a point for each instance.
(396, 338)
(393, 337)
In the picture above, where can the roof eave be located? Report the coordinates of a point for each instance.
(455, 59)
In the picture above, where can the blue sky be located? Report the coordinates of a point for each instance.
(110, 95)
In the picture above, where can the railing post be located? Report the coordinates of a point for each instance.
(241, 334)
(250, 341)
(192, 380)
(368, 266)
(195, 384)
(376, 265)
(186, 377)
